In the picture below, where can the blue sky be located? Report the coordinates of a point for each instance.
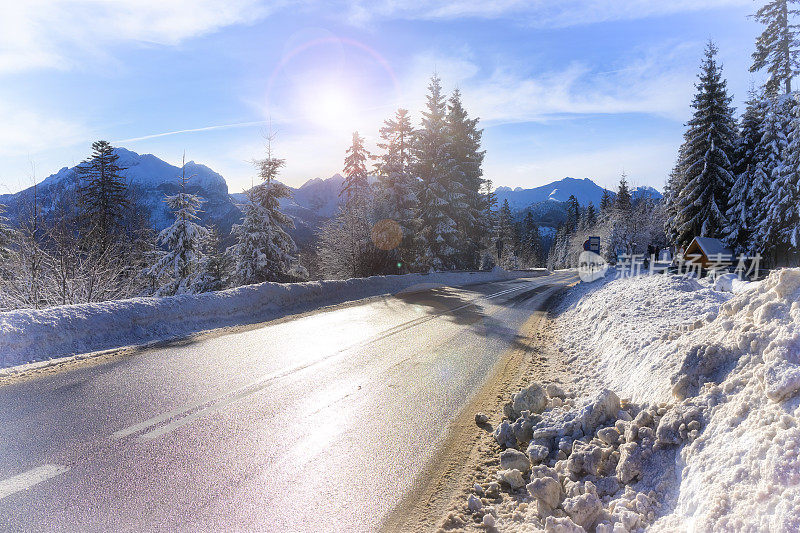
(569, 88)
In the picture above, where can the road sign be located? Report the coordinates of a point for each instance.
(592, 244)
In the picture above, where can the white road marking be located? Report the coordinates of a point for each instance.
(29, 478)
(183, 415)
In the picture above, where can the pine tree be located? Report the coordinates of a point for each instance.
(356, 180)
(782, 222)
(395, 178)
(741, 222)
(184, 240)
(707, 178)
(264, 251)
(778, 47)
(103, 193)
(439, 193)
(465, 149)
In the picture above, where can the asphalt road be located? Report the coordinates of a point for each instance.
(319, 422)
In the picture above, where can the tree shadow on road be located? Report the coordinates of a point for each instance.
(448, 305)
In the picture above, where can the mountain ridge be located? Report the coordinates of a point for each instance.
(151, 179)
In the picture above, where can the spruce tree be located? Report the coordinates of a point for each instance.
(356, 180)
(706, 170)
(606, 201)
(781, 226)
(777, 47)
(6, 238)
(489, 199)
(505, 230)
(216, 269)
(740, 214)
(264, 251)
(102, 192)
(623, 201)
(768, 160)
(465, 149)
(395, 178)
(573, 209)
(590, 216)
(532, 241)
(184, 240)
(440, 196)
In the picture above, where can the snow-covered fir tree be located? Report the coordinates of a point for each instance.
(440, 195)
(781, 226)
(264, 251)
(465, 149)
(778, 47)
(769, 153)
(672, 190)
(702, 198)
(740, 202)
(178, 269)
(396, 181)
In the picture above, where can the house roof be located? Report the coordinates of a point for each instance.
(710, 246)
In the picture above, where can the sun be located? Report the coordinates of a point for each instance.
(330, 106)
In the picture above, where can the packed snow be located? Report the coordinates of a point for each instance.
(682, 414)
(31, 335)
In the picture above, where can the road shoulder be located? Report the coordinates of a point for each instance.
(469, 452)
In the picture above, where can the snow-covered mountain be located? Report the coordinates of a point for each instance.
(151, 179)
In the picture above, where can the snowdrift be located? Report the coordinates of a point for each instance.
(37, 335)
(684, 414)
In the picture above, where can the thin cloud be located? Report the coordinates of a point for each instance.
(657, 81)
(61, 33)
(536, 13)
(195, 130)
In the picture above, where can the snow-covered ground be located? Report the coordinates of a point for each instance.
(682, 414)
(30, 335)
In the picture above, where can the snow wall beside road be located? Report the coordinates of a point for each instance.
(31, 335)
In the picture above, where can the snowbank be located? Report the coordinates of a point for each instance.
(623, 328)
(707, 432)
(37, 335)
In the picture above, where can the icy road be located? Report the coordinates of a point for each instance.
(316, 422)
